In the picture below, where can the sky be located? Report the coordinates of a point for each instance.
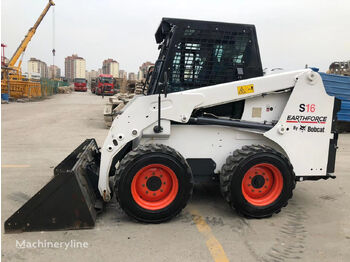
(291, 33)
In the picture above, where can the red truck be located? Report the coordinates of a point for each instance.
(80, 84)
(105, 84)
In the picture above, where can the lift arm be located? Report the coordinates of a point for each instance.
(22, 47)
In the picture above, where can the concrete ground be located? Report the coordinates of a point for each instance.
(36, 136)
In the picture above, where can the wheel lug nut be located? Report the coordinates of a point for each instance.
(161, 190)
(250, 177)
(143, 185)
(154, 194)
(248, 184)
(265, 186)
(153, 173)
(164, 183)
(146, 192)
(259, 191)
(161, 175)
(146, 177)
(253, 190)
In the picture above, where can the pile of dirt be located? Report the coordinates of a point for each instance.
(65, 89)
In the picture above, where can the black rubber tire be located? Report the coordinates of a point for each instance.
(238, 164)
(142, 156)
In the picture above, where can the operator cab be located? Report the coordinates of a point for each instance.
(195, 54)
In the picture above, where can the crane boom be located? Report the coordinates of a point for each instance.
(22, 47)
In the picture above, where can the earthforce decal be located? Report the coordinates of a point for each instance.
(303, 120)
(242, 90)
(306, 119)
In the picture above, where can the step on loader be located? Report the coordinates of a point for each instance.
(208, 114)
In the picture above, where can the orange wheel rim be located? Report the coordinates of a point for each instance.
(262, 184)
(154, 187)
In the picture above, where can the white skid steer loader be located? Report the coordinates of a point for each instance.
(209, 115)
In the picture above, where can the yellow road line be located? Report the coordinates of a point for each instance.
(214, 246)
(15, 166)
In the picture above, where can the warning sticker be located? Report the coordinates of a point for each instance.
(242, 90)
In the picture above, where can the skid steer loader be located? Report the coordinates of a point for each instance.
(209, 115)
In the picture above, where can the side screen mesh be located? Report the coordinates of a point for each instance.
(203, 58)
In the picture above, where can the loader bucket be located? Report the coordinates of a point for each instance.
(69, 200)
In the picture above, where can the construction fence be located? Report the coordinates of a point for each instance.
(31, 89)
(49, 87)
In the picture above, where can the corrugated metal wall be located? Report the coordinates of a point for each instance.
(339, 86)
